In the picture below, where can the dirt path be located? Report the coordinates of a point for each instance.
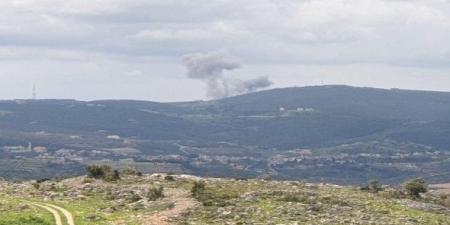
(183, 203)
(67, 214)
(55, 213)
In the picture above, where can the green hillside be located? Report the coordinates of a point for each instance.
(249, 135)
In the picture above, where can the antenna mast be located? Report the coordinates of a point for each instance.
(34, 95)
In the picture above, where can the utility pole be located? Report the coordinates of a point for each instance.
(34, 95)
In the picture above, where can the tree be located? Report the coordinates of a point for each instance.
(198, 188)
(415, 187)
(98, 171)
(375, 186)
(103, 172)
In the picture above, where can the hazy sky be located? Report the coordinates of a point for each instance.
(137, 49)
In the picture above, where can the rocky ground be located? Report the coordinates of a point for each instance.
(135, 200)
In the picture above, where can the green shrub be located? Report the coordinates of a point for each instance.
(113, 176)
(154, 194)
(103, 172)
(415, 187)
(98, 171)
(169, 178)
(375, 186)
(198, 188)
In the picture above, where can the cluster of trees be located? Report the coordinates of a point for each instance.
(412, 187)
(107, 173)
(103, 172)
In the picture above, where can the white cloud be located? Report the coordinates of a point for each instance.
(393, 33)
(209, 32)
(313, 31)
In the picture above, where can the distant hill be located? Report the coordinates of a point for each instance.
(256, 125)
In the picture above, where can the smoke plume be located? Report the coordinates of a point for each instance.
(253, 85)
(211, 68)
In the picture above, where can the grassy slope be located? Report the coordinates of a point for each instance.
(289, 202)
(11, 214)
(224, 202)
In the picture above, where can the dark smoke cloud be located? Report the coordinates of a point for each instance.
(208, 65)
(211, 68)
